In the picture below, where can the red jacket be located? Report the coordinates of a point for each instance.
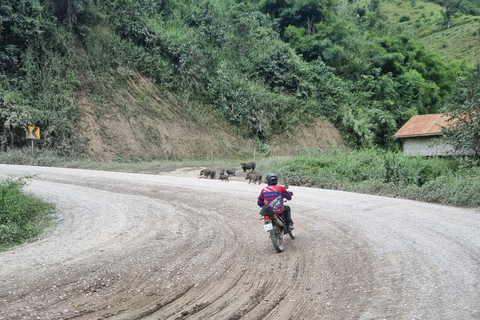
(270, 193)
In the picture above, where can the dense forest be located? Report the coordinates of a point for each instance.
(264, 65)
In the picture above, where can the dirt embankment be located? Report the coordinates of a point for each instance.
(142, 122)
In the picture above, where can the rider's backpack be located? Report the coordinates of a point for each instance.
(276, 206)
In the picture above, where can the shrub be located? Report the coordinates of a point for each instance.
(459, 190)
(451, 181)
(22, 216)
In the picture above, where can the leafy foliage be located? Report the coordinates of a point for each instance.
(374, 171)
(22, 216)
(304, 14)
(263, 65)
(464, 111)
(39, 84)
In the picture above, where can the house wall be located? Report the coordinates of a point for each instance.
(425, 146)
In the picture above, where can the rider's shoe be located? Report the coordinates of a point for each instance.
(290, 226)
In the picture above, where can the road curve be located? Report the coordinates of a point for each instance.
(138, 246)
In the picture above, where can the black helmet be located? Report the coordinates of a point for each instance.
(272, 178)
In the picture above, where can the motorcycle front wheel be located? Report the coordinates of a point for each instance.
(276, 235)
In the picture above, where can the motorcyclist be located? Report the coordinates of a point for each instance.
(271, 192)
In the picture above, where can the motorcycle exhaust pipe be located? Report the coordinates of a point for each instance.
(277, 222)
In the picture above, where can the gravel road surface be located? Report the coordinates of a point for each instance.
(173, 246)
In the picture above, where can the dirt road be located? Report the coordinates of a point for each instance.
(132, 246)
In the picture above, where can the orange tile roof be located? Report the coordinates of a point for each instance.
(423, 125)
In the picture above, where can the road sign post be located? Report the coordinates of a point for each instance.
(33, 133)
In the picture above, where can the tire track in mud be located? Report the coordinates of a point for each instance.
(241, 287)
(215, 261)
(262, 290)
(236, 275)
(207, 292)
(210, 294)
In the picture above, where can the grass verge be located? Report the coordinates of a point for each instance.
(448, 181)
(23, 216)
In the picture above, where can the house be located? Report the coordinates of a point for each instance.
(419, 134)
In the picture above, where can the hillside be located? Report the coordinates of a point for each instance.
(126, 80)
(456, 40)
(170, 130)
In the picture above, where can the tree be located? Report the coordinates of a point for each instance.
(299, 13)
(464, 108)
(14, 119)
(451, 7)
(374, 6)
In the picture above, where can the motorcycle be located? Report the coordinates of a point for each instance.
(275, 224)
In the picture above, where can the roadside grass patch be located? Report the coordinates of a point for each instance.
(23, 216)
(450, 181)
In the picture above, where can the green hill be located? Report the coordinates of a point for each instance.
(143, 79)
(458, 40)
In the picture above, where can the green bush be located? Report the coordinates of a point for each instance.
(452, 181)
(22, 216)
(458, 190)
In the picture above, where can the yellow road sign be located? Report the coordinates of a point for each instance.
(33, 132)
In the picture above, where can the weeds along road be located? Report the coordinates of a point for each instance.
(133, 246)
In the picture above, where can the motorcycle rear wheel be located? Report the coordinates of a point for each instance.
(276, 235)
